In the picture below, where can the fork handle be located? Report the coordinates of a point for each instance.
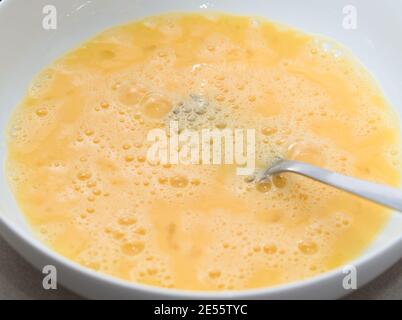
(381, 194)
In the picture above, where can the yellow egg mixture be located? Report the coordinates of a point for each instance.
(78, 144)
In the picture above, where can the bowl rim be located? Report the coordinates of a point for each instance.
(36, 245)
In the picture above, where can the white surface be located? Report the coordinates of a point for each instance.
(27, 48)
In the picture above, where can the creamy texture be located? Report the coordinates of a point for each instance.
(77, 153)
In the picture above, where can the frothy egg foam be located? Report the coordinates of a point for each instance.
(78, 168)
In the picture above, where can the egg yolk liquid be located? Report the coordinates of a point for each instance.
(78, 143)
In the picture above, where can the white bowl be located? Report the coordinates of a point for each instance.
(26, 48)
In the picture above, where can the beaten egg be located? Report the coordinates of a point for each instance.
(77, 153)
